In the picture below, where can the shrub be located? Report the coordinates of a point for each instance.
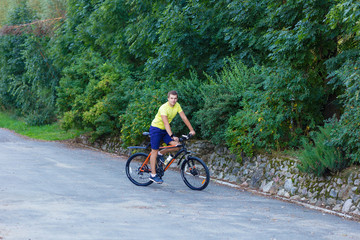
(222, 96)
(240, 132)
(27, 77)
(190, 100)
(41, 79)
(277, 110)
(139, 114)
(95, 99)
(347, 135)
(320, 157)
(74, 84)
(106, 99)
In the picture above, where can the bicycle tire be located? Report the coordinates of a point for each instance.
(195, 173)
(132, 167)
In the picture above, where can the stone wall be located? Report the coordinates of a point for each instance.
(277, 176)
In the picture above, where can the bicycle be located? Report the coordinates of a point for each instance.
(194, 171)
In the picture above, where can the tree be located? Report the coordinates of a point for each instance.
(28, 79)
(190, 37)
(12, 65)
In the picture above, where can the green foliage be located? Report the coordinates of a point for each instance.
(27, 78)
(345, 15)
(144, 106)
(347, 134)
(300, 36)
(73, 84)
(278, 109)
(11, 67)
(44, 9)
(104, 27)
(48, 9)
(96, 112)
(3, 11)
(107, 58)
(19, 13)
(141, 30)
(241, 133)
(188, 40)
(94, 99)
(42, 79)
(245, 31)
(222, 98)
(319, 157)
(190, 99)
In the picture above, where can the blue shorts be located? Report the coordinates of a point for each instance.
(156, 135)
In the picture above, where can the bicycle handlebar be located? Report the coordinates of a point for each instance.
(185, 137)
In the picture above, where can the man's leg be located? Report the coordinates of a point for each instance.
(153, 157)
(153, 175)
(167, 150)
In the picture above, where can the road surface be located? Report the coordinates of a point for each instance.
(50, 190)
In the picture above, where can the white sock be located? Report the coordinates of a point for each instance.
(153, 175)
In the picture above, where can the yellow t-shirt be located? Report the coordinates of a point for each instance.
(170, 112)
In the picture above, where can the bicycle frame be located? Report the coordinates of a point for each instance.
(182, 150)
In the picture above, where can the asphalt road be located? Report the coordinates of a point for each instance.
(49, 190)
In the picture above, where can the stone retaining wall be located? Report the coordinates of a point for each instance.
(276, 176)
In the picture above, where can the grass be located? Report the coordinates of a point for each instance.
(52, 132)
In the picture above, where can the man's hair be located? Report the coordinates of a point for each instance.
(172, 93)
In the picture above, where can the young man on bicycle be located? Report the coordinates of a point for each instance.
(160, 130)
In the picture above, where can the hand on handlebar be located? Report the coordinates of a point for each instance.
(186, 137)
(192, 133)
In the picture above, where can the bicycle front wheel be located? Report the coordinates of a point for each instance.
(195, 173)
(136, 172)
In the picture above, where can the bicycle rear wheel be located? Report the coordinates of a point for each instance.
(195, 173)
(137, 175)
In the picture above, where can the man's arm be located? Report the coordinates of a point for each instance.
(166, 124)
(167, 127)
(187, 122)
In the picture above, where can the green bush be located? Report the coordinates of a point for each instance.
(222, 96)
(38, 104)
(139, 114)
(73, 91)
(27, 77)
(347, 134)
(96, 100)
(190, 100)
(241, 132)
(277, 111)
(106, 99)
(320, 157)
(12, 68)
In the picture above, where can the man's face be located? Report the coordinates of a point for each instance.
(172, 99)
